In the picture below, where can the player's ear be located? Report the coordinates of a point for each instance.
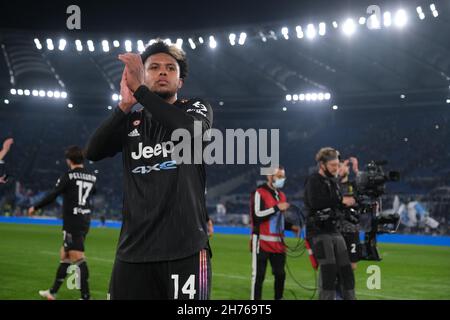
(180, 83)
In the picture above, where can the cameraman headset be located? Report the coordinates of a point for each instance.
(323, 201)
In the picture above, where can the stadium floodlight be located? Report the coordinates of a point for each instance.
(26, 92)
(35, 93)
(327, 96)
(285, 32)
(115, 97)
(70, 105)
(128, 47)
(140, 46)
(200, 40)
(349, 27)
(38, 43)
(6, 101)
(78, 45)
(308, 97)
(192, 44)
(362, 20)
(335, 24)
(179, 43)
(212, 42)
(314, 96)
(50, 45)
(284, 109)
(447, 101)
(420, 13)
(13, 91)
(50, 94)
(116, 43)
(320, 96)
(57, 94)
(232, 38)
(387, 19)
(20, 92)
(41, 93)
(301, 97)
(400, 18)
(288, 97)
(299, 31)
(242, 38)
(63, 94)
(322, 28)
(109, 108)
(295, 97)
(373, 22)
(90, 45)
(105, 45)
(62, 44)
(402, 96)
(335, 107)
(432, 7)
(310, 31)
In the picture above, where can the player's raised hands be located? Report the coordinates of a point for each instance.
(134, 70)
(128, 100)
(7, 144)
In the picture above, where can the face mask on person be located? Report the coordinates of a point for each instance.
(278, 183)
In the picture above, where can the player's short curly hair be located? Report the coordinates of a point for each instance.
(327, 154)
(161, 47)
(74, 154)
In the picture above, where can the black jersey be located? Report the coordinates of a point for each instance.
(349, 219)
(164, 209)
(76, 186)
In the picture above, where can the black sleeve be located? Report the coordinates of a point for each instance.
(2, 168)
(172, 117)
(320, 196)
(106, 141)
(59, 188)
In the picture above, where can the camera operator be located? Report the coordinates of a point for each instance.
(323, 200)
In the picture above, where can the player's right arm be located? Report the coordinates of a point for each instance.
(107, 139)
(52, 195)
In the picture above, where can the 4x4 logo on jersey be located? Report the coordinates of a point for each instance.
(168, 165)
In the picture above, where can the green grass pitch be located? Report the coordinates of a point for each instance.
(29, 258)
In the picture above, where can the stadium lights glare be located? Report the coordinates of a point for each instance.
(26, 92)
(6, 101)
(212, 42)
(349, 27)
(309, 96)
(299, 31)
(447, 101)
(335, 107)
(13, 91)
(35, 93)
(232, 38)
(105, 45)
(20, 92)
(362, 20)
(70, 105)
(115, 97)
(310, 31)
(90, 45)
(284, 109)
(38, 44)
(140, 46)
(192, 44)
(242, 38)
(78, 45)
(285, 32)
(400, 18)
(109, 108)
(62, 44)
(335, 24)
(50, 45)
(387, 19)
(178, 43)
(128, 47)
(322, 28)
(420, 13)
(116, 43)
(373, 23)
(434, 10)
(200, 40)
(39, 93)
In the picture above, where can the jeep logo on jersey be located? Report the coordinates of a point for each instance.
(157, 167)
(147, 152)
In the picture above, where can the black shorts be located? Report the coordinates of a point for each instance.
(187, 278)
(73, 241)
(353, 246)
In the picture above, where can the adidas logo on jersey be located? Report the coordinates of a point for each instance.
(134, 133)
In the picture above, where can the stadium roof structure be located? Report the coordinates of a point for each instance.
(247, 57)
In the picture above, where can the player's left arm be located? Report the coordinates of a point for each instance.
(52, 195)
(173, 117)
